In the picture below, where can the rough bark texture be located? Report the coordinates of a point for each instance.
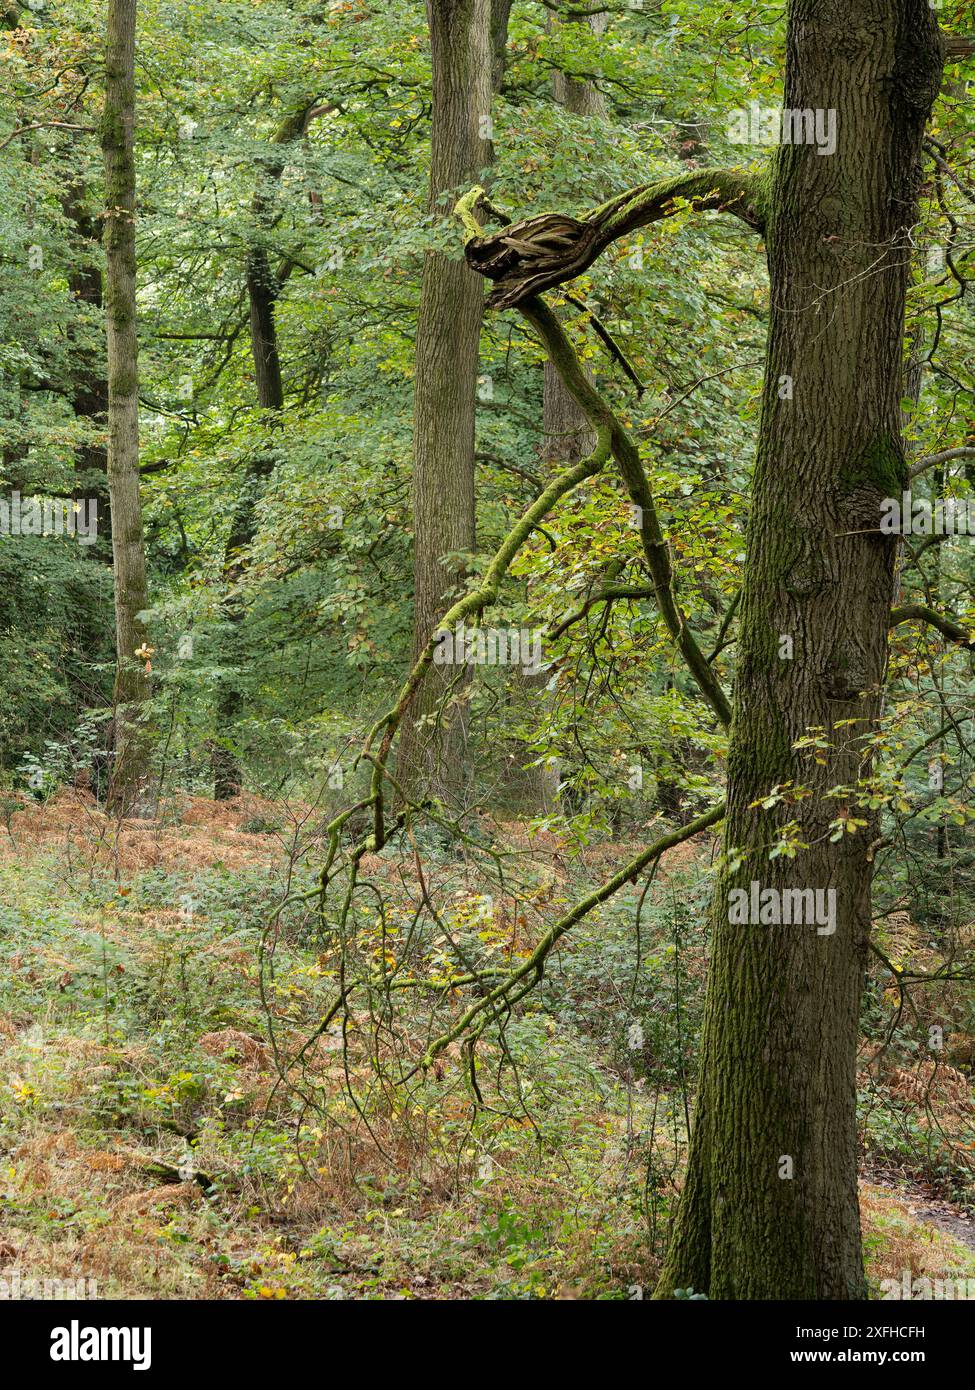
(777, 1074)
(130, 770)
(581, 97)
(568, 435)
(432, 754)
(500, 14)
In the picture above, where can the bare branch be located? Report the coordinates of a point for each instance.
(946, 455)
(918, 613)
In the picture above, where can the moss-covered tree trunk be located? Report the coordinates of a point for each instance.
(769, 1208)
(432, 755)
(130, 769)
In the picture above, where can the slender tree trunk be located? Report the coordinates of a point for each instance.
(769, 1208)
(432, 755)
(89, 399)
(262, 293)
(130, 771)
(568, 436)
(500, 14)
(263, 289)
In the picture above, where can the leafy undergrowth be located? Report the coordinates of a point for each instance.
(898, 1238)
(148, 1140)
(148, 1143)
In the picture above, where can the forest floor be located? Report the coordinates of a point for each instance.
(147, 1143)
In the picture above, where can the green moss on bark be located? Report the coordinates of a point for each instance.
(881, 468)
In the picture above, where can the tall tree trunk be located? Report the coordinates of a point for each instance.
(130, 770)
(568, 436)
(263, 290)
(500, 14)
(432, 755)
(769, 1208)
(578, 95)
(89, 398)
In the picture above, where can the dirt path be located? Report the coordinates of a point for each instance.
(931, 1210)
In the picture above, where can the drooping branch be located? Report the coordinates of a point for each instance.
(609, 342)
(919, 613)
(612, 441)
(655, 548)
(966, 451)
(531, 969)
(488, 590)
(599, 414)
(611, 594)
(43, 125)
(526, 258)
